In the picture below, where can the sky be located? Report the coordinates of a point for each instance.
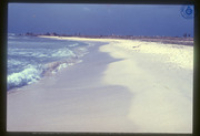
(99, 19)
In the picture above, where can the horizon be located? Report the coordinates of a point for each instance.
(100, 19)
(111, 35)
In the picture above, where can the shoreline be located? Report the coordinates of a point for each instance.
(73, 100)
(121, 86)
(189, 41)
(144, 47)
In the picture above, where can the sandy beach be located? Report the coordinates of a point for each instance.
(126, 86)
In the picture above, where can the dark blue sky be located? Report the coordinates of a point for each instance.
(95, 19)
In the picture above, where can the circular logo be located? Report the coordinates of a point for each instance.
(187, 11)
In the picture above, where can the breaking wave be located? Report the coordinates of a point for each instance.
(29, 75)
(31, 58)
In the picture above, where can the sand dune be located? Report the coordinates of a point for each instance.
(129, 86)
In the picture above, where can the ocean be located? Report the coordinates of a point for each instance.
(29, 58)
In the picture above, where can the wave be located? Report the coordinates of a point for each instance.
(54, 67)
(41, 53)
(73, 45)
(32, 73)
(29, 75)
(32, 58)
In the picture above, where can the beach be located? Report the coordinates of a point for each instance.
(124, 86)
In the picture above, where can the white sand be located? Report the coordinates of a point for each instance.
(157, 76)
(179, 54)
(162, 85)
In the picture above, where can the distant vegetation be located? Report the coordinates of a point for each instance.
(186, 39)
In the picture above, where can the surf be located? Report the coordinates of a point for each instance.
(31, 58)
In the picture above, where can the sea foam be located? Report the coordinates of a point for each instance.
(31, 58)
(29, 75)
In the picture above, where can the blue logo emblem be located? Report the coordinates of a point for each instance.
(187, 11)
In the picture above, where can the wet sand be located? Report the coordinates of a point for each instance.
(121, 86)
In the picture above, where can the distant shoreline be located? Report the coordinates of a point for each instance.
(162, 39)
(168, 40)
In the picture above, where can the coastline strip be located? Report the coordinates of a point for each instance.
(160, 102)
